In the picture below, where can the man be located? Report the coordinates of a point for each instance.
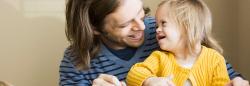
(107, 37)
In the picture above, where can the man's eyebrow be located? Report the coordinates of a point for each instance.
(132, 19)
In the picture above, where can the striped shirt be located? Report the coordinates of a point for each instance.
(107, 63)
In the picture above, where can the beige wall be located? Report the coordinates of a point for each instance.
(232, 28)
(152, 4)
(33, 40)
(244, 40)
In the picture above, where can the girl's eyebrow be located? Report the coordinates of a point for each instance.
(162, 21)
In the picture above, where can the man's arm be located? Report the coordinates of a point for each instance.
(236, 78)
(231, 72)
(70, 76)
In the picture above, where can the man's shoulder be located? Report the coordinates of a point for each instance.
(150, 25)
(69, 53)
(149, 20)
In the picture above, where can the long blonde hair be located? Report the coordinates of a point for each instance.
(195, 18)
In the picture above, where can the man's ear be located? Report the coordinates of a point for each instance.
(96, 32)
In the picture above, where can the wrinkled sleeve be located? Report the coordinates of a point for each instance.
(141, 71)
(220, 76)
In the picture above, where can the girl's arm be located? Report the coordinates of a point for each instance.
(141, 71)
(220, 75)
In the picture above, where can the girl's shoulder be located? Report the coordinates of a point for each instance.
(211, 55)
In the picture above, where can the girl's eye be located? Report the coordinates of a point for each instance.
(156, 26)
(164, 23)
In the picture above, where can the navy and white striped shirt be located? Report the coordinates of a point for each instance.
(108, 63)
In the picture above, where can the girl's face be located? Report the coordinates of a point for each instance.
(169, 35)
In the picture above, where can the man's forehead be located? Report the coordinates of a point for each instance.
(127, 10)
(120, 17)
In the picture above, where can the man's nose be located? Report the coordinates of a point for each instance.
(138, 24)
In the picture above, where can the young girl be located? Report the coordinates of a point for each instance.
(188, 52)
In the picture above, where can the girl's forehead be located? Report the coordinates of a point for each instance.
(163, 14)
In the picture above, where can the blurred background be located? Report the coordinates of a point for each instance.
(32, 38)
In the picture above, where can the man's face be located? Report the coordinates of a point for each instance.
(125, 27)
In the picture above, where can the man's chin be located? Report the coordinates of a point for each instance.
(135, 45)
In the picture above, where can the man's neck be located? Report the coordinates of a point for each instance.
(124, 54)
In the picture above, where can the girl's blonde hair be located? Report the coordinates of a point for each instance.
(195, 18)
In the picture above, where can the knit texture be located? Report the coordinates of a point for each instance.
(208, 70)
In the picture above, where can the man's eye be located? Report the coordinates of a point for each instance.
(123, 25)
(143, 18)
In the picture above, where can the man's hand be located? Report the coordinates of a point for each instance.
(158, 81)
(238, 81)
(107, 80)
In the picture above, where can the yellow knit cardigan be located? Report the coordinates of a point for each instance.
(208, 70)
